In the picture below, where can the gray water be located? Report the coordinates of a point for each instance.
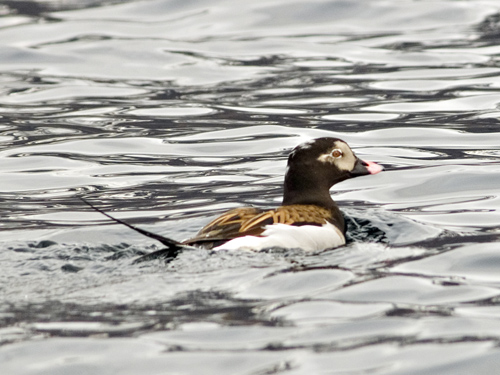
(166, 113)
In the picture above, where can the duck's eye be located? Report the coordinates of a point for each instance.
(336, 153)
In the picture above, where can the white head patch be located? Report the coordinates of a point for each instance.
(344, 162)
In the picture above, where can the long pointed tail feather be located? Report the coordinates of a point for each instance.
(173, 247)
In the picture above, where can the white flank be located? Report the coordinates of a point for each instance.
(305, 237)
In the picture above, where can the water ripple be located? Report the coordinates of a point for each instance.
(167, 113)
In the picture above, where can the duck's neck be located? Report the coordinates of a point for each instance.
(307, 187)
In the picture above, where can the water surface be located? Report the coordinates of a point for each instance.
(166, 113)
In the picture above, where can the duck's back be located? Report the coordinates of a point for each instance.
(294, 226)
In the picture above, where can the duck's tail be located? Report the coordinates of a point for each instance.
(168, 254)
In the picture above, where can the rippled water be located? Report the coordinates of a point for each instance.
(166, 113)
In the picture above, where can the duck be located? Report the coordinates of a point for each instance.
(308, 218)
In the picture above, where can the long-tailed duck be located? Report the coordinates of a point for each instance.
(308, 218)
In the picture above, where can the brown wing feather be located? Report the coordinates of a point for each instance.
(247, 221)
(225, 227)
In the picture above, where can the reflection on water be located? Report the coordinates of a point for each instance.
(166, 113)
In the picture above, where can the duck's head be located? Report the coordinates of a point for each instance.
(315, 166)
